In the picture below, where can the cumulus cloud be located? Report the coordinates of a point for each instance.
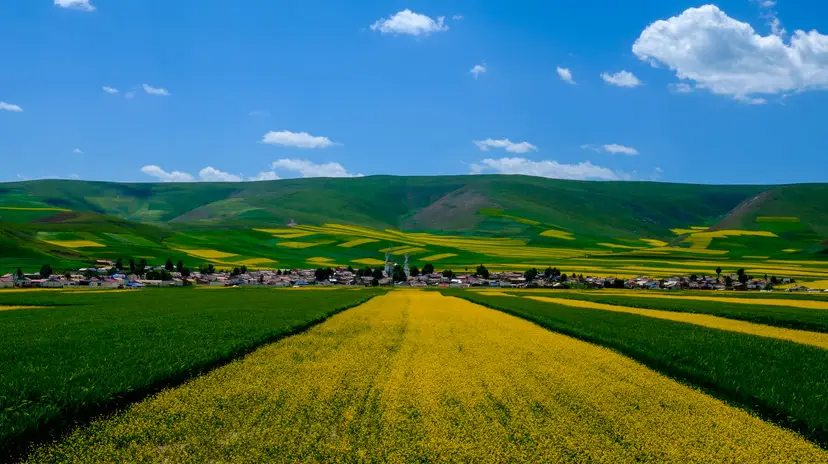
(477, 70)
(547, 168)
(269, 175)
(9, 107)
(307, 168)
(566, 75)
(615, 149)
(296, 139)
(164, 176)
(82, 5)
(156, 91)
(727, 57)
(680, 87)
(78, 151)
(211, 174)
(110, 90)
(612, 148)
(621, 79)
(410, 23)
(508, 145)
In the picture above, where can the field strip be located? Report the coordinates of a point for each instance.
(416, 376)
(809, 304)
(798, 336)
(14, 308)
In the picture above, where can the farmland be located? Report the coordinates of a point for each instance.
(84, 352)
(415, 376)
(628, 229)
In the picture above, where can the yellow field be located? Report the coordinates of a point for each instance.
(809, 304)
(357, 242)
(418, 377)
(302, 245)
(655, 243)
(286, 233)
(12, 308)
(438, 257)
(75, 243)
(403, 250)
(369, 261)
(615, 245)
(798, 336)
(32, 208)
(558, 234)
(208, 254)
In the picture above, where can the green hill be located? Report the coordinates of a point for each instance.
(596, 225)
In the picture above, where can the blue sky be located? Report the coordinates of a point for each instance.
(597, 89)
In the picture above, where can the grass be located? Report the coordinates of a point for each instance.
(781, 380)
(417, 377)
(779, 316)
(93, 350)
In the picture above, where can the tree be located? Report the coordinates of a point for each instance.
(350, 269)
(718, 272)
(243, 269)
(141, 268)
(185, 272)
(180, 266)
(169, 266)
(377, 274)
(119, 264)
(160, 274)
(111, 271)
(375, 282)
(728, 282)
(279, 272)
(413, 271)
(743, 278)
(547, 273)
(211, 269)
(530, 274)
(399, 274)
(132, 265)
(448, 274)
(323, 274)
(235, 272)
(46, 271)
(482, 272)
(564, 278)
(693, 277)
(19, 273)
(428, 269)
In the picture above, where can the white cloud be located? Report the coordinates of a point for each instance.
(548, 168)
(457, 17)
(110, 90)
(615, 149)
(78, 151)
(680, 87)
(269, 175)
(621, 79)
(296, 139)
(211, 174)
(307, 168)
(129, 95)
(408, 22)
(566, 75)
(508, 145)
(771, 17)
(82, 5)
(156, 91)
(9, 107)
(727, 57)
(164, 176)
(477, 70)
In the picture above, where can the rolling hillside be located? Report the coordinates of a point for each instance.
(543, 220)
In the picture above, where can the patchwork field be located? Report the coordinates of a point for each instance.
(412, 376)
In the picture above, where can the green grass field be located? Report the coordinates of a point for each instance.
(778, 379)
(90, 351)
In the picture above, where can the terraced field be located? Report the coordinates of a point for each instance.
(452, 376)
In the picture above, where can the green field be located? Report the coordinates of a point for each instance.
(505, 222)
(85, 352)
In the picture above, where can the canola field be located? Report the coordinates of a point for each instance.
(484, 376)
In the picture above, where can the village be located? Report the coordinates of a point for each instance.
(110, 275)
